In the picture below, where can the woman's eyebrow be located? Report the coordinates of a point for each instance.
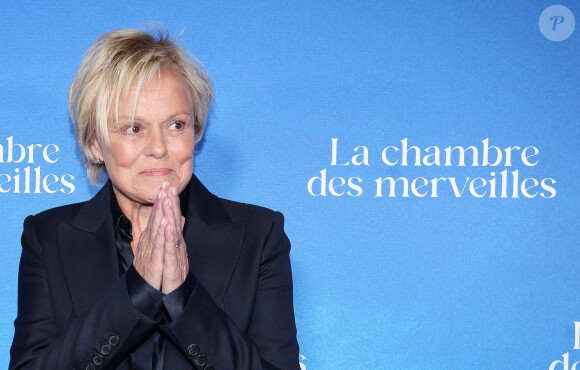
(139, 118)
(179, 114)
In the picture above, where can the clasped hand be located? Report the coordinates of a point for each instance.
(161, 253)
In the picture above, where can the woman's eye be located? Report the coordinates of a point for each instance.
(177, 125)
(132, 130)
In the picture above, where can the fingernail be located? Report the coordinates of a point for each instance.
(170, 203)
(163, 222)
(163, 185)
(171, 228)
(159, 194)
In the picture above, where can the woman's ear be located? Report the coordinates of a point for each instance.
(96, 151)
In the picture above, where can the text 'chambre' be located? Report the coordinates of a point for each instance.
(31, 176)
(502, 177)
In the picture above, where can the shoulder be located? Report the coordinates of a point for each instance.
(61, 213)
(264, 227)
(88, 215)
(46, 222)
(214, 210)
(244, 211)
(257, 217)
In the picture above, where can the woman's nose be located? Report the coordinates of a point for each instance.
(157, 146)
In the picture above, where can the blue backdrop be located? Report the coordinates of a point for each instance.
(472, 275)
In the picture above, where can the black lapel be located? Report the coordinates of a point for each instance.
(87, 250)
(213, 241)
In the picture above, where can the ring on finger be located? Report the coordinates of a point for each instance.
(177, 243)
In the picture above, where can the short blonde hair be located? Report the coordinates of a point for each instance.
(118, 60)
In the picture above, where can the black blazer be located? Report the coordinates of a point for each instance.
(74, 312)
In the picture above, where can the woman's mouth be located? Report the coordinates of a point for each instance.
(156, 172)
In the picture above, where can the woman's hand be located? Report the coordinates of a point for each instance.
(175, 263)
(148, 259)
(157, 259)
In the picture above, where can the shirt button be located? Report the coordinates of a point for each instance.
(90, 367)
(98, 360)
(200, 360)
(113, 340)
(193, 350)
(105, 349)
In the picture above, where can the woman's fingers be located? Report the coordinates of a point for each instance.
(156, 257)
(172, 211)
(176, 209)
(148, 259)
(157, 212)
(161, 256)
(175, 266)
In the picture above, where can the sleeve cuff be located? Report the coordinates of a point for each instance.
(175, 301)
(146, 299)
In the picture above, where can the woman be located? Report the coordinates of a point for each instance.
(154, 272)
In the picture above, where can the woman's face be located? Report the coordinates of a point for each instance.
(155, 145)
